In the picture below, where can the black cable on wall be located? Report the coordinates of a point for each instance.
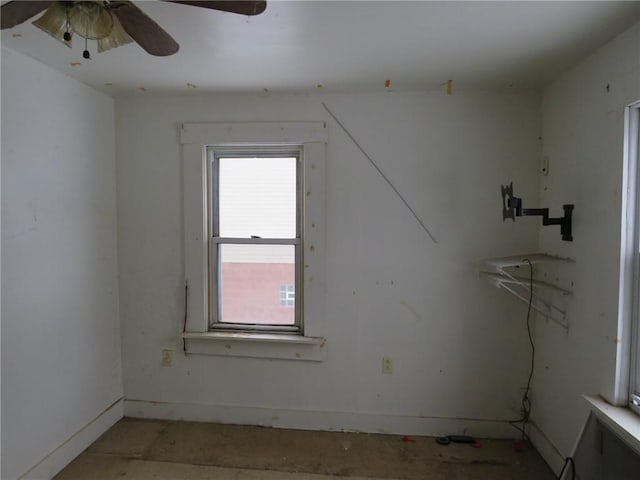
(525, 404)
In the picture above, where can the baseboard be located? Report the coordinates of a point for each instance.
(545, 447)
(319, 420)
(59, 458)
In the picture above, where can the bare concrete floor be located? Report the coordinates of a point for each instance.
(159, 450)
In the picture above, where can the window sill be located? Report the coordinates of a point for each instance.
(256, 345)
(621, 420)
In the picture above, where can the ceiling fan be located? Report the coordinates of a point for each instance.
(111, 23)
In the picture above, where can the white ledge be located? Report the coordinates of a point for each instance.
(621, 420)
(256, 345)
(253, 337)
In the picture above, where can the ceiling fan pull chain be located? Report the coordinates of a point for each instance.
(86, 54)
(67, 34)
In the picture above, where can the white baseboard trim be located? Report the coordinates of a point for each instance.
(62, 455)
(545, 447)
(318, 420)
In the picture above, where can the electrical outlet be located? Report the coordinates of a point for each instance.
(167, 358)
(387, 365)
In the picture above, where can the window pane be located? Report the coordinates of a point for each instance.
(252, 281)
(257, 197)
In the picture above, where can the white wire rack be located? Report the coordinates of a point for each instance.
(500, 272)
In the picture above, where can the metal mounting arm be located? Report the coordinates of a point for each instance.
(512, 208)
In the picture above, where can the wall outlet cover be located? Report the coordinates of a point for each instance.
(387, 365)
(167, 358)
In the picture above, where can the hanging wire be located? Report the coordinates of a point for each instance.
(525, 403)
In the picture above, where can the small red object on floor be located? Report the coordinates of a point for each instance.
(517, 446)
(406, 439)
(476, 444)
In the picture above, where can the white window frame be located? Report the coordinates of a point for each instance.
(215, 153)
(630, 264)
(196, 138)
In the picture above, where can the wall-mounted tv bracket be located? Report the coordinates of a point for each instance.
(512, 208)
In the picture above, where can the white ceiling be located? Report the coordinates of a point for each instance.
(337, 46)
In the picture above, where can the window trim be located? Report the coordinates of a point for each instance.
(195, 138)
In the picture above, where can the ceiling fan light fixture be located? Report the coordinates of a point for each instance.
(116, 38)
(90, 20)
(54, 23)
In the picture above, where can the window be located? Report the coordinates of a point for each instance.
(254, 239)
(254, 216)
(631, 244)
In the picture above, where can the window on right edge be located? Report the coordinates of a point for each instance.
(632, 136)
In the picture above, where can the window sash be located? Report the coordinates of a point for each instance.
(215, 241)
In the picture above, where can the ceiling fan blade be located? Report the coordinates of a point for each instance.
(246, 7)
(14, 13)
(147, 33)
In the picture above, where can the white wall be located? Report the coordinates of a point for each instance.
(61, 363)
(459, 345)
(583, 126)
